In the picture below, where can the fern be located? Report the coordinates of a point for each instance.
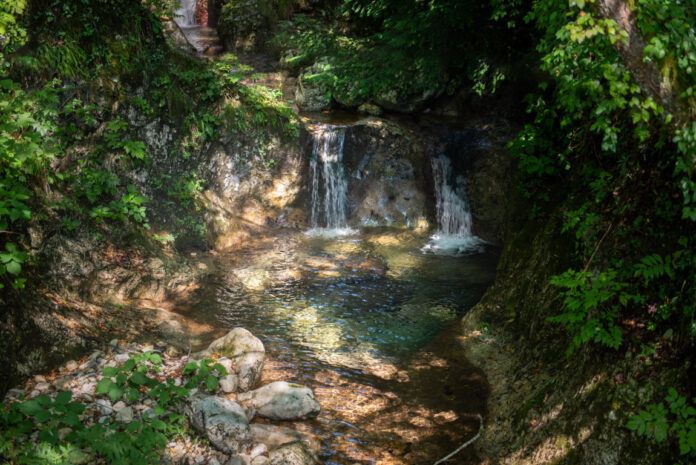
(653, 267)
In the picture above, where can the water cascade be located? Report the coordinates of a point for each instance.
(186, 15)
(329, 180)
(453, 215)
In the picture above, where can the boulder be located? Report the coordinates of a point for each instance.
(246, 353)
(313, 88)
(282, 401)
(370, 109)
(296, 453)
(387, 168)
(229, 383)
(222, 421)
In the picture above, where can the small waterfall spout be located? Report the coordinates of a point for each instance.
(453, 215)
(329, 180)
(186, 15)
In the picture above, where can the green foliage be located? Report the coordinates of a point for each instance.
(63, 437)
(603, 148)
(676, 421)
(185, 190)
(27, 121)
(79, 39)
(408, 47)
(252, 106)
(591, 305)
(205, 372)
(115, 137)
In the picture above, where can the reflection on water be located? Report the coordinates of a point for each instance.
(347, 315)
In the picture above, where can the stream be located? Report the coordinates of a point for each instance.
(354, 316)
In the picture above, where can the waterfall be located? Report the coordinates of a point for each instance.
(453, 215)
(454, 232)
(186, 15)
(329, 180)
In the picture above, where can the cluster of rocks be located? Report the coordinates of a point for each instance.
(223, 418)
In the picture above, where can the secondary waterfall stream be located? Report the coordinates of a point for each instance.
(455, 234)
(329, 181)
(186, 15)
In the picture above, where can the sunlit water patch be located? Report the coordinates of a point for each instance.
(349, 312)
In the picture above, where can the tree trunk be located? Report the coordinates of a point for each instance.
(646, 75)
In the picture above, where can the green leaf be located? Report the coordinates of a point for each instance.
(132, 394)
(13, 267)
(104, 386)
(139, 378)
(63, 398)
(190, 367)
(129, 365)
(110, 371)
(70, 419)
(30, 407)
(116, 392)
(158, 424)
(42, 416)
(211, 382)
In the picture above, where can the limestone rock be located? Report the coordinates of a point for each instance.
(370, 109)
(296, 453)
(312, 92)
(282, 401)
(229, 383)
(222, 421)
(125, 415)
(246, 352)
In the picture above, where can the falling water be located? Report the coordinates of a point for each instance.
(186, 15)
(453, 215)
(329, 181)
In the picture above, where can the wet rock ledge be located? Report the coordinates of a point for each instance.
(223, 417)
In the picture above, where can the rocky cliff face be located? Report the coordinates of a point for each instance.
(545, 407)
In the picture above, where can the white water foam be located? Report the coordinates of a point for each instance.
(329, 182)
(455, 235)
(331, 232)
(186, 15)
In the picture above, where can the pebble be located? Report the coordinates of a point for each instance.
(259, 450)
(39, 379)
(260, 460)
(42, 386)
(61, 384)
(113, 342)
(172, 351)
(119, 405)
(121, 358)
(16, 392)
(125, 415)
(71, 365)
